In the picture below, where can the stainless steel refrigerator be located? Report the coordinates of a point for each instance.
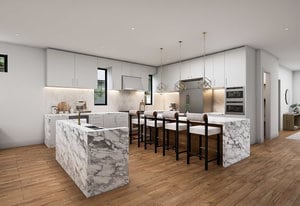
(193, 98)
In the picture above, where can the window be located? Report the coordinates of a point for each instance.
(100, 94)
(3, 63)
(148, 93)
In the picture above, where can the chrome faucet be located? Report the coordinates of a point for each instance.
(79, 115)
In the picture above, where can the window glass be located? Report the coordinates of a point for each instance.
(100, 94)
(148, 93)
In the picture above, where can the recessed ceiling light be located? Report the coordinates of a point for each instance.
(286, 29)
(132, 28)
(17, 34)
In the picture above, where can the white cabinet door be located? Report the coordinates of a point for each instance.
(60, 68)
(197, 68)
(85, 71)
(185, 70)
(208, 70)
(116, 76)
(219, 70)
(235, 68)
(170, 76)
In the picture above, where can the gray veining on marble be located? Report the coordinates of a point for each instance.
(96, 160)
(100, 119)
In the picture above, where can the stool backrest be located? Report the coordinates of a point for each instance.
(150, 113)
(197, 117)
(170, 115)
(133, 112)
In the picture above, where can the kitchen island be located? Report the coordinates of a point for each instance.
(95, 158)
(235, 138)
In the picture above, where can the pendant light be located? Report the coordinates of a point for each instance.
(161, 86)
(206, 81)
(179, 85)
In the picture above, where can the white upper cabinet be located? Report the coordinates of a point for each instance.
(170, 75)
(85, 71)
(208, 69)
(60, 68)
(235, 68)
(197, 68)
(218, 70)
(185, 70)
(66, 69)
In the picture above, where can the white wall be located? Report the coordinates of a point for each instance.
(286, 78)
(296, 87)
(266, 62)
(21, 96)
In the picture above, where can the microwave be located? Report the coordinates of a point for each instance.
(234, 94)
(235, 100)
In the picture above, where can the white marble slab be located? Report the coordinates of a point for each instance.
(96, 160)
(236, 137)
(100, 119)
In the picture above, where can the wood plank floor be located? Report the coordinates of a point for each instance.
(271, 176)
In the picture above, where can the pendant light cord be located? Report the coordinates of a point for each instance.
(204, 53)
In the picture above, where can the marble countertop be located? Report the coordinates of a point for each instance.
(75, 114)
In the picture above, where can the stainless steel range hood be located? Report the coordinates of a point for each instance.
(132, 83)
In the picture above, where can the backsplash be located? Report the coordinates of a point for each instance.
(117, 100)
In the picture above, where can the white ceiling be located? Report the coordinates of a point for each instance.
(103, 27)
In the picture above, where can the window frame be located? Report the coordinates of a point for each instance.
(151, 96)
(104, 104)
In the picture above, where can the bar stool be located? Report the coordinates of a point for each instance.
(150, 120)
(202, 130)
(136, 121)
(172, 126)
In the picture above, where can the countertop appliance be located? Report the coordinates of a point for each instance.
(235, 100)
(194, 98)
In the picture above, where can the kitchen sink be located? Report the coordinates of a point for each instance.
(93, 127)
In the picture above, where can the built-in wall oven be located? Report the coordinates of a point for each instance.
(235, 100)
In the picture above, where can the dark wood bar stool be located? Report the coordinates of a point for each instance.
(136, 121)
(172, 125)
(150, 120)
(206, 130)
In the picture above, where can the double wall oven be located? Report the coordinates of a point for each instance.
(235, 100)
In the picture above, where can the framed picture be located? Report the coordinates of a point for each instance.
(3, 63)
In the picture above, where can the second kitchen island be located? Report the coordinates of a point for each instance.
(95, 158)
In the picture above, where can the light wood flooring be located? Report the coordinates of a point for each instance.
(271, 176)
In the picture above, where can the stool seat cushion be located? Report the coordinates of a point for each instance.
(172, 126)
(135, 121)
(151, 123)
(200, 129)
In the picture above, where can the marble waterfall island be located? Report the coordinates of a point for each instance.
(95, 159)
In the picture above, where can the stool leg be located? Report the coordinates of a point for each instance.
(168, 135)
(139, 135)
(206, 152)
(218, 150)
(150, 134)
(188, 147)
(156, 140)
(176, 145)
(200, 147)
(145, 138)
(164, 139)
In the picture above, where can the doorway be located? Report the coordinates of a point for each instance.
(267, 105)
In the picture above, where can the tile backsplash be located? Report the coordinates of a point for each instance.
(117, 100)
